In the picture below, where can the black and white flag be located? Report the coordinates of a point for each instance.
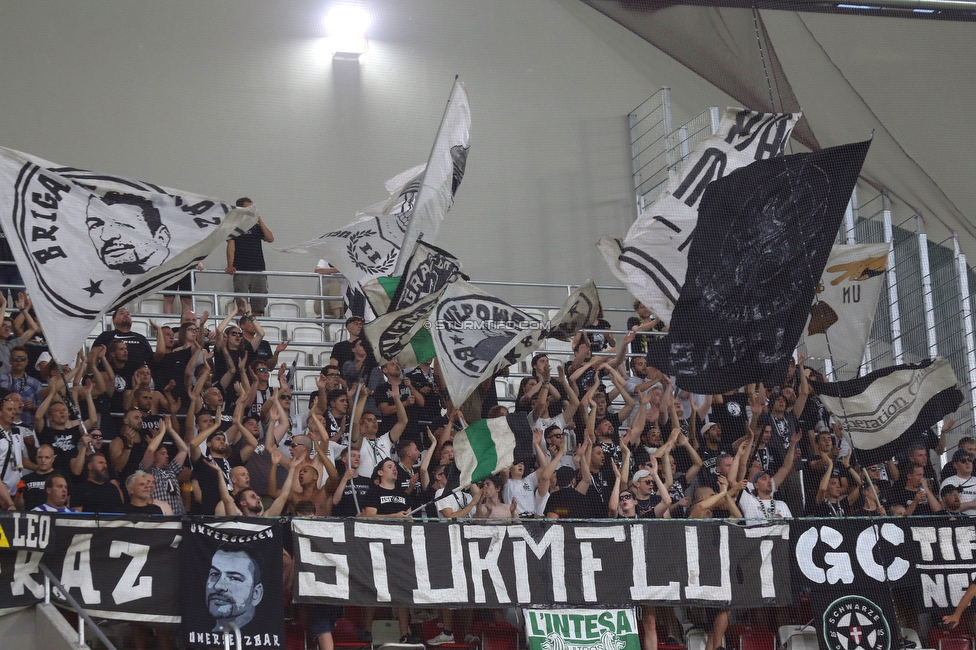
(764, 235)
(231, 573)
(652, 259)
(404, 313)
(476, 334)
(87, 242)
(889, 410)
(369, 247)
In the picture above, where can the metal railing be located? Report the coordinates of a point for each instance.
(51, 581)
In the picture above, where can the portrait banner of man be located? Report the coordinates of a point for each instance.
(231, 574)
(87, 242)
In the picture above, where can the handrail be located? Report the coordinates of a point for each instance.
(83, 617)
(232, 627)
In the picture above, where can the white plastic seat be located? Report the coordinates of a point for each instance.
(142, 326)
(151, 306)
(203, 304)
(696, 639)
(306, 333)
(306, 380)
(283, 308)
(798, 637)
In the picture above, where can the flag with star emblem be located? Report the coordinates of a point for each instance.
(86, 242)
(476, 334)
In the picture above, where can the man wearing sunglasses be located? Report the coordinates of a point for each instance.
(964, 480)
(18, 381)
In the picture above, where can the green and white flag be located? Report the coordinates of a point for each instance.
(581, 629)
(403, 304)
(484, 448)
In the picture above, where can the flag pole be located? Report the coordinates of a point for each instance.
(401, 256)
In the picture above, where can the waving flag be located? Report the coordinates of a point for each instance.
(889, 410)
(652, 259)
(765, 233)
(847, 299)
(87, 242)
(370, 246)
(405, 302)
(476, 334)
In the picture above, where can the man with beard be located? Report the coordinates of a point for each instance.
(137, 346)
(246, 502)
(97, 494)
(234, 587)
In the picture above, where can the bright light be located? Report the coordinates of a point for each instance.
(346, 26)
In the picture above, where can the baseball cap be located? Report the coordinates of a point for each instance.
(639, 474)
(758, 475)
(708, 425)
(960, 455)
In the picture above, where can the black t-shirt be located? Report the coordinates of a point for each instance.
(598, 340)
(645, 509)
(347, 504)
(146, 510)
(138, 346)
(732, 415)
(207, 478)
(31, 489)
(172, 367)
(97, 497)
(568, 503)
(382, 396)
(825, 508)
(65, 443)
(248, 255)
(386, 502)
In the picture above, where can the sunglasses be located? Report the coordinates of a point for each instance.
(284, 397)
(236, 333)
(263, 369)
(625, 496)
(96, 436)
(294, 444)
(965, 460)
(18, 358)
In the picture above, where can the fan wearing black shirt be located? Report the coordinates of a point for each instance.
(97, 494)
(350, 493)
(53, 427)
(385, 498)
(206, 487)
(830, 500)
(140, 494)
(138, 350)
(31, 491)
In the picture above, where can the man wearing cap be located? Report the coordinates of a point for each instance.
(711, 447)
(759, 505)
(650, 503)
(967, 444)
(963, 479)
(949, 507)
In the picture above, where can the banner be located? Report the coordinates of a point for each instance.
(476, 334)
(889, 410)
(652, 259)
(764, 235)
(540, 563)
(231, 573)
(87, 242)
(24, 537)
(847, 299)
(582, 629)
(116, 568)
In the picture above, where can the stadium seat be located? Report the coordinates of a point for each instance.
(955, 643)
(306, 333)
(909, 634)
(938, 637)
(225, 304)
(306, 381)
(696, 639)
(798, 637)
(752, 638)
(430, 629)
(142, 326)
(151, 306)
(501, 387)
(272, 334)
(203, 304)
(283, 308)
(344, 636)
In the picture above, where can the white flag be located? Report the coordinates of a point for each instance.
(369, 247)
(843, 311)
(86, 242)
(445, 169)
(476, 334)
(652, 259)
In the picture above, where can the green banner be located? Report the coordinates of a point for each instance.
(582, 629)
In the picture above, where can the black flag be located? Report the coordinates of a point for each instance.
(763, 236)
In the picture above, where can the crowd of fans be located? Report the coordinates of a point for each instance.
(194, 423)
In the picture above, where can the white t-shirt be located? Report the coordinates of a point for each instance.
(13, 441)
(525, 492)
(373, 452)
(453, 500)
(967, 490)
(757, 511)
